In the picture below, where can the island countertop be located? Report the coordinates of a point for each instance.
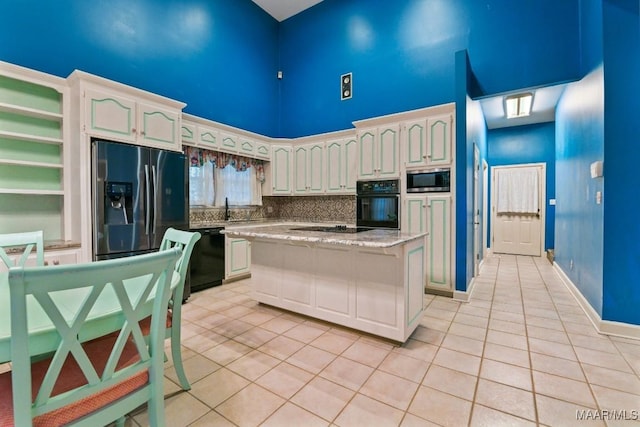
(374, 238)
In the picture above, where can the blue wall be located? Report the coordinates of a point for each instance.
(579, 220)
(470, 130)
(218, 56)
(527, 144)
(621, 293)
(402, 54)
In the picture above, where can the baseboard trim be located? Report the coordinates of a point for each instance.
(607, 327)
(465, 296)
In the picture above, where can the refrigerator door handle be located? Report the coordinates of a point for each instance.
(155, 197)
(147, 221)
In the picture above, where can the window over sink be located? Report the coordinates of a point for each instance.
(216, 176)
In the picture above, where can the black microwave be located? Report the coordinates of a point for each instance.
(429, 181)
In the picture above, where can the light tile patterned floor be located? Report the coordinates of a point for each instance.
(522, 352)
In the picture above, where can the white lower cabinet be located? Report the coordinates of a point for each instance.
(51, 257)
(237, 256)
(432, 213)
(438, 222)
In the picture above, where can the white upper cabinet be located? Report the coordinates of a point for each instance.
(247, 147)
(428, 141)
(308, 168)
(379, 152)
(415, 143)
(341, 162)
(280, 167)
(208, 137)
(188, 132)
(229, 142)
(114, 115)
(263, 150)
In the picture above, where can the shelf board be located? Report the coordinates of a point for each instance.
(33, 164)
(32, 192)
(31, 112)
(32, 138)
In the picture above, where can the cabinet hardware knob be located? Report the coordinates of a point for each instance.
(56, 262)
(424, 157)
(134, 130)
(46, 263)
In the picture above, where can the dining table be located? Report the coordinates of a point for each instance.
(105, 316)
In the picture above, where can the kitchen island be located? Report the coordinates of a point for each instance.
(372, 281)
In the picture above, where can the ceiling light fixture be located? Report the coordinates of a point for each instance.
(518, 105)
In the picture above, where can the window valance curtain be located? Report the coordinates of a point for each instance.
(198, 157)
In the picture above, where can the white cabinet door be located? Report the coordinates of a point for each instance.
(335, 166)
(341, 160)
(440, 131)
(229, 142)
(416, 143)
(351, 165)
(208, 138)
(379, 152)
(300, 161)
(389, 152)
(281, 169)
(263, 150)
(308, 169)
(439, 242)
(415, 214)
(247, 147)
(158, 127)
(110, 115)
(367, 154)
(315, 168)
(238, 257)
(189, 133)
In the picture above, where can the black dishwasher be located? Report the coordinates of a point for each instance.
(206, 267)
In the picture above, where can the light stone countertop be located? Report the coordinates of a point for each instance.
(374, 238)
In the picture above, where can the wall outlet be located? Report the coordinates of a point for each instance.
(598, 197)
(269, 209)
(552, 202)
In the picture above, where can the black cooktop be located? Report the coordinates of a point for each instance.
(333, 229)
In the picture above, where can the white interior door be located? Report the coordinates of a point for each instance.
(476, 210)
(517, 227)
(485, 206)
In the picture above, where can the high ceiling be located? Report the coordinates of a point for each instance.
(283, 9)
(545, 99)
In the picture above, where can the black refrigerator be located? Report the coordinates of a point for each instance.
(137, 193)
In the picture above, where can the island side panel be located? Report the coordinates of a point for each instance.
(379, 291)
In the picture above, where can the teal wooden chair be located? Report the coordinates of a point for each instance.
(99, 381)
(29, 240)
(184, 240)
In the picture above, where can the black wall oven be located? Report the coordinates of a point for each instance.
(378, 204)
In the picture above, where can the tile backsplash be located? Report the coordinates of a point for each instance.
(311, 208)
(305, 208)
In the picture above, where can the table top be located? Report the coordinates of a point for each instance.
(104, 316)
(374, 238)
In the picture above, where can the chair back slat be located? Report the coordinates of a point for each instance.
(68, 295)
(29, 240)
(184, 240)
